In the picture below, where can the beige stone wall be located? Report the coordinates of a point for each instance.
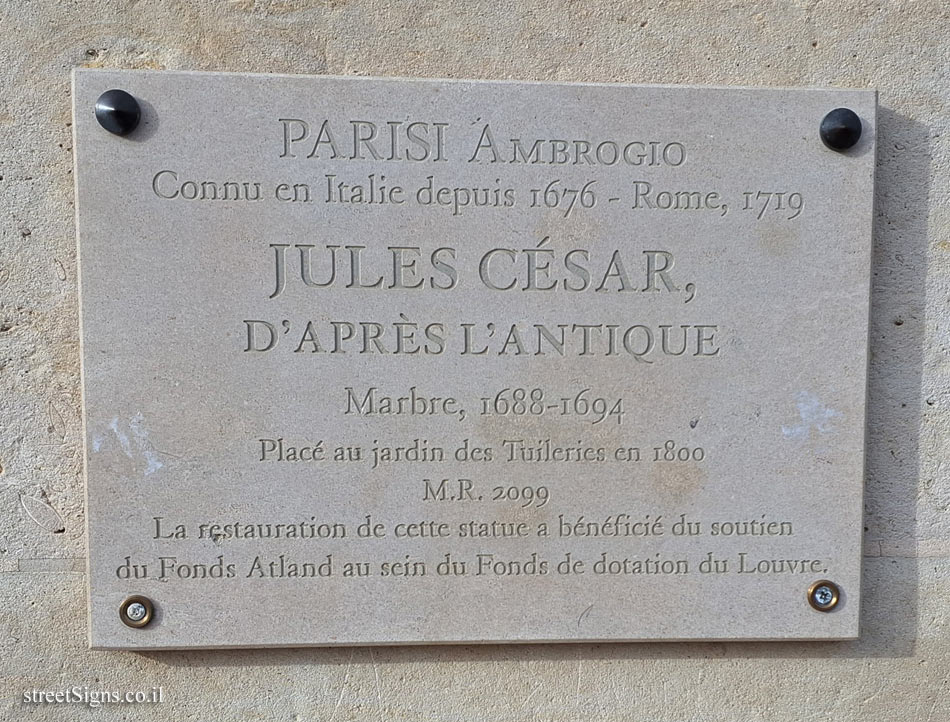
(899, 668)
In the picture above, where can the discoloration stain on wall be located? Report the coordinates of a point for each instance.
(135, 431)
(813, 414)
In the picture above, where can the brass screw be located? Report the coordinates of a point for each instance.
(136, 611)
(824, 595)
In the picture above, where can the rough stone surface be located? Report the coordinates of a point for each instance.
(897, 670)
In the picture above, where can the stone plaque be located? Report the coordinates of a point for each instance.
(376, 361)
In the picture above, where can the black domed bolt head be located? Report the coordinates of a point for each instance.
(118, 112)
(840, 129)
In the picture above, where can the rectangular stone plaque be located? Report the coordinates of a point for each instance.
(376, 361)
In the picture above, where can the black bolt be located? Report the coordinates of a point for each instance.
(840, 129)
(118, 112)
